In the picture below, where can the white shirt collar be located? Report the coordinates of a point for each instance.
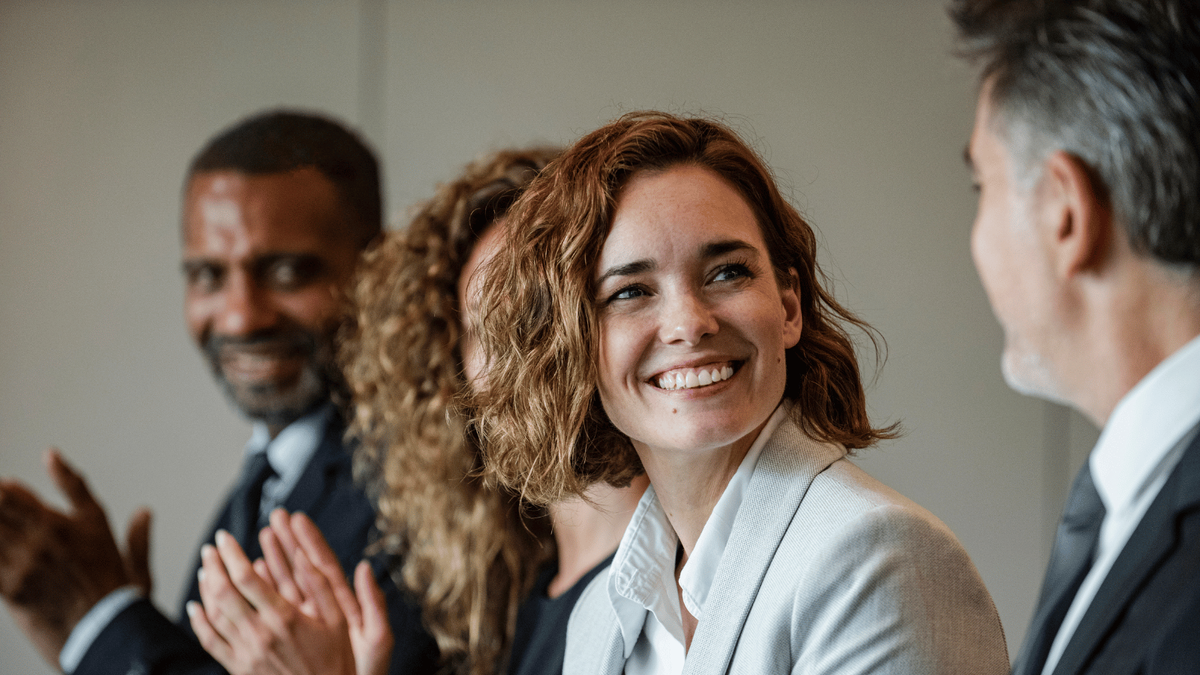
(289, 452)
(641, 580)
(1146, 424)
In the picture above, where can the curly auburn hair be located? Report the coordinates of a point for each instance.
(469, 555)
(544, 430)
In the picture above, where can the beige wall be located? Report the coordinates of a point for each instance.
(856, 105)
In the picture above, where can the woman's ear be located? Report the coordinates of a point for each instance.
(793, 319)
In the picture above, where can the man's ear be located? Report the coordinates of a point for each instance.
(1076, 212)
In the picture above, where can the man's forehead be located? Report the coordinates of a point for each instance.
(291, 211)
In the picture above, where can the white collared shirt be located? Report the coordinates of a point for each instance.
(641, 582)
(1139, 448)
(288, 454)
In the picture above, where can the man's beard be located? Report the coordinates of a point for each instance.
(1029, 373)
(273, 403)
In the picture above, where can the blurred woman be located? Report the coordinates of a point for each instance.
(470, 552)
(657, 307)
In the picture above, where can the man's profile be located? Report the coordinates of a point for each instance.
(1086, 156)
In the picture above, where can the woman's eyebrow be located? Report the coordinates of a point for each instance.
(635, 267)
(717, 249)
(710, 250)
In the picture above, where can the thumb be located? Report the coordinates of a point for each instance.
(137, 551)
(71, 483)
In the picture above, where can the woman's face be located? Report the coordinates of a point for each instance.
(693, 324)
(468, 293)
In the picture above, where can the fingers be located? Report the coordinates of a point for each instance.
(137, 551)
(279, 565)
(19, 507)
(224, 607)
(314, 584)
(70, 482)
(374, 626)
(209, 638)
(281, 525)
(264, 573)
(317, 550)
(315, 547)
(241, 573)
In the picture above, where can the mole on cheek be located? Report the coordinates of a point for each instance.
(674, 410)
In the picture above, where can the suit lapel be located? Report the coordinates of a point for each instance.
(1155, 538)
(594, 641)
(785, 470)
(329, 461)
(610, 651)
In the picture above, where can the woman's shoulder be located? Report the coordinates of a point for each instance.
(859, 554)
(846, 498)
(838, 491)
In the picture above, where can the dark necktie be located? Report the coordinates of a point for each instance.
(244, 506)
(1070, 560)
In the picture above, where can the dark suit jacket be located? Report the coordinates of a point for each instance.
(1145, 615)
(141, 641)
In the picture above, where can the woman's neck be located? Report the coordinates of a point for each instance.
(688, 483)
(587, 532)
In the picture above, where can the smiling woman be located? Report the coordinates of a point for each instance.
(657, 307)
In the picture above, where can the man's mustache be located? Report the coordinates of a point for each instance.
(293, 340)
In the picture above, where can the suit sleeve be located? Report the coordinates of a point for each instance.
(142, 641)
(894, 592)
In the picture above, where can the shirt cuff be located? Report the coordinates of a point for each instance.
(92, 623)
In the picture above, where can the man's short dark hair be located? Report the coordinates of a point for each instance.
(1116, 83)
(282, 140)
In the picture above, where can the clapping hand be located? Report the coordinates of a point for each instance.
(55, 566)
(291, 612)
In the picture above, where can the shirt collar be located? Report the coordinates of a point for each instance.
(642, 577)
(697, 574)
(1146, 424)
(291, 450)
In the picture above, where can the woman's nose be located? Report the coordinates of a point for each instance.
(686, 319)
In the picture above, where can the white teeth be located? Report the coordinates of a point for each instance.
(693, 379)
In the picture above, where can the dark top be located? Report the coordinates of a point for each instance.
(540, 642)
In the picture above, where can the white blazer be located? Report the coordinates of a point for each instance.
(827, 571)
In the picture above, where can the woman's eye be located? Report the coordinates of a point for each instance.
(731, 272)
(628, 293)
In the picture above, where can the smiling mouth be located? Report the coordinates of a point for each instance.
(695, 378)
(260, 365)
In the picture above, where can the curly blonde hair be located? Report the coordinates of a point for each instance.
(544, 429)
(469, 553)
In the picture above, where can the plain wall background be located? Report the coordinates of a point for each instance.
(857, 106)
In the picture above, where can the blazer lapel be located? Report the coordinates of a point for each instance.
(594, 641)
(785, 470)
(1155, 538)
(330, 460)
